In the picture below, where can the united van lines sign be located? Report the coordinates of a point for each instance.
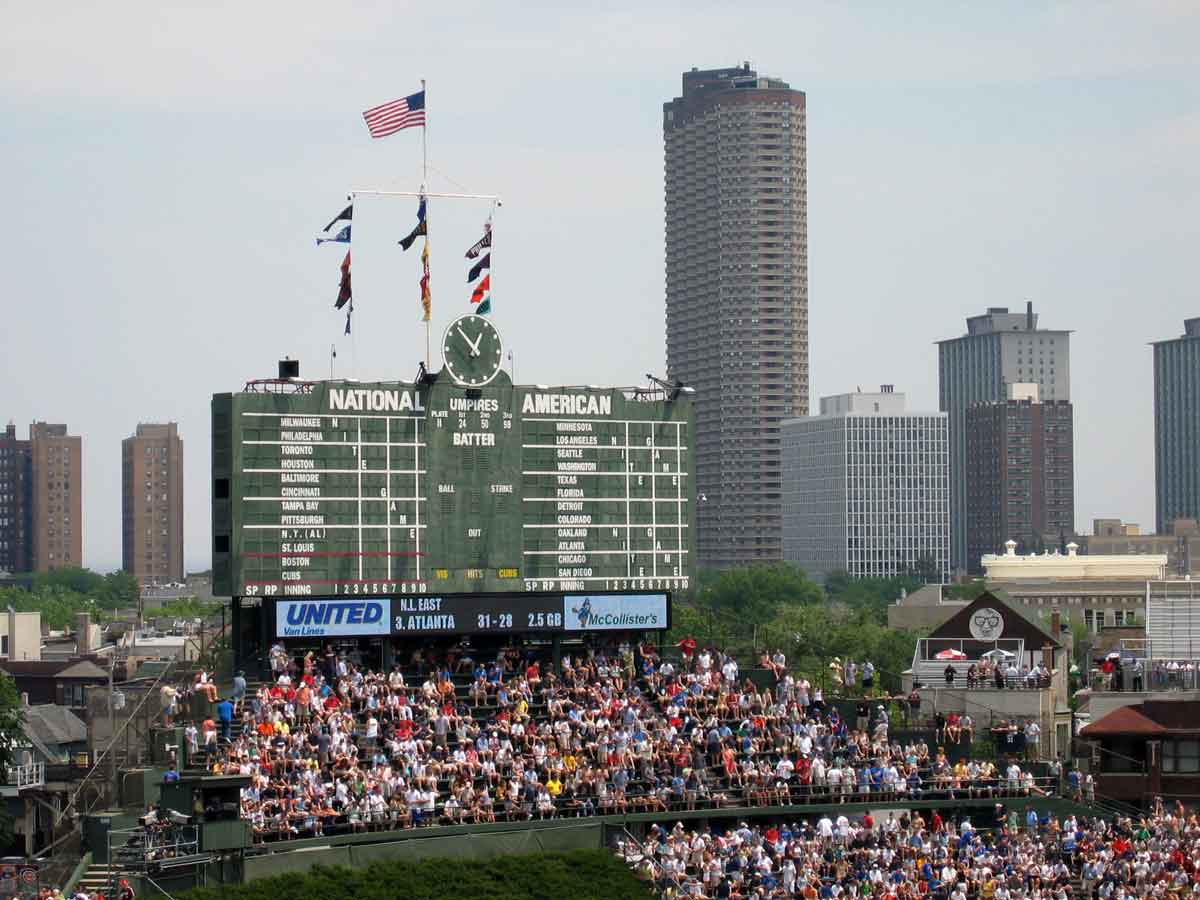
(986, 624)
(333, 618)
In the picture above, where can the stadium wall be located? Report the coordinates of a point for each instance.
(465, 844)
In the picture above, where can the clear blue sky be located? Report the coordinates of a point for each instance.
(166, 167)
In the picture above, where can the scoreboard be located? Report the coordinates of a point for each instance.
(346, 489)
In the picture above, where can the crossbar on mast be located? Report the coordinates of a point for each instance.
(424, 194)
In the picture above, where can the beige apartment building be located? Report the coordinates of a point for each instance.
(152, 504)
(1181, 543)
(56, 490)
(736, 201)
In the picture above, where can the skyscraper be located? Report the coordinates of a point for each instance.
(56, 474)
(737, 295)
(1177, 427)
(1020, 474)
(16, 482)
(866, 488)
(1000, 348)
(152, 504)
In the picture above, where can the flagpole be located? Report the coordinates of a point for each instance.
(425, 184)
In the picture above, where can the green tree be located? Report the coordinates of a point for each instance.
(926, 571)
(58, 606)
(12, 735)
(118, 590)
(729, 608)
(70, 578)
(838, 582)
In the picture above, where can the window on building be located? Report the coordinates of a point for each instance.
(1094, 620)
(1181, 756)
(73, 695)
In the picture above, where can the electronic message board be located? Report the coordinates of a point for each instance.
(343, 489)
(457, 614)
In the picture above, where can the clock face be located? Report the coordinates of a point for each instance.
(472, 350)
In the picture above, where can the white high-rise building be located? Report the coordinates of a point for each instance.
(866, 488)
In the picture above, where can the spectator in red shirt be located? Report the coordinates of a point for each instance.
(688, 647)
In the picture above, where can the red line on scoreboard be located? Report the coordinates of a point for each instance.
(409, 553)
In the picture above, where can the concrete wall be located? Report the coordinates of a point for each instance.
(27, 626)
(1100, 704)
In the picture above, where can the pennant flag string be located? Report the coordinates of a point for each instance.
(481, 295)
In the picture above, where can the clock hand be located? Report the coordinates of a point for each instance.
(474, 351)
(475, 346)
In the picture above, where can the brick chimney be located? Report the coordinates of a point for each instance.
(83, 634)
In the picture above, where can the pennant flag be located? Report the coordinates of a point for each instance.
(425, 255)
(481, 289)
(342, 237)
(344, 294)
(426, 297)
(349, 313)
(485, 307)
(421, 228)
(344, 216)
(388, 118)
(483, 243)
(407, 242)
(485, 263)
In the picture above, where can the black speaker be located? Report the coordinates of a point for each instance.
(289, 368)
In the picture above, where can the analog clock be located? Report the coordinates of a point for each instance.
(472, 350)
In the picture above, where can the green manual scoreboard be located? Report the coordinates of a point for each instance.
(343, 489)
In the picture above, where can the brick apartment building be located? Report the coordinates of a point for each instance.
(152, 504)
(1020, 473)
(56, 467)
(15, 500)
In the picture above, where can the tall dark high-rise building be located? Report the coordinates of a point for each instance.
(16, 482)
(999, 349)
(1020, 474)
(56, 471)
(152, 504)
(1177, 427)
(736, 190)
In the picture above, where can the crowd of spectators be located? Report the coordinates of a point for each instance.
(1011, 856)
(1114, 673)
(452, 737)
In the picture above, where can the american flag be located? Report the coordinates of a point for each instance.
(407, 112)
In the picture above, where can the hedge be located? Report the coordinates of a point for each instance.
(577, 874)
